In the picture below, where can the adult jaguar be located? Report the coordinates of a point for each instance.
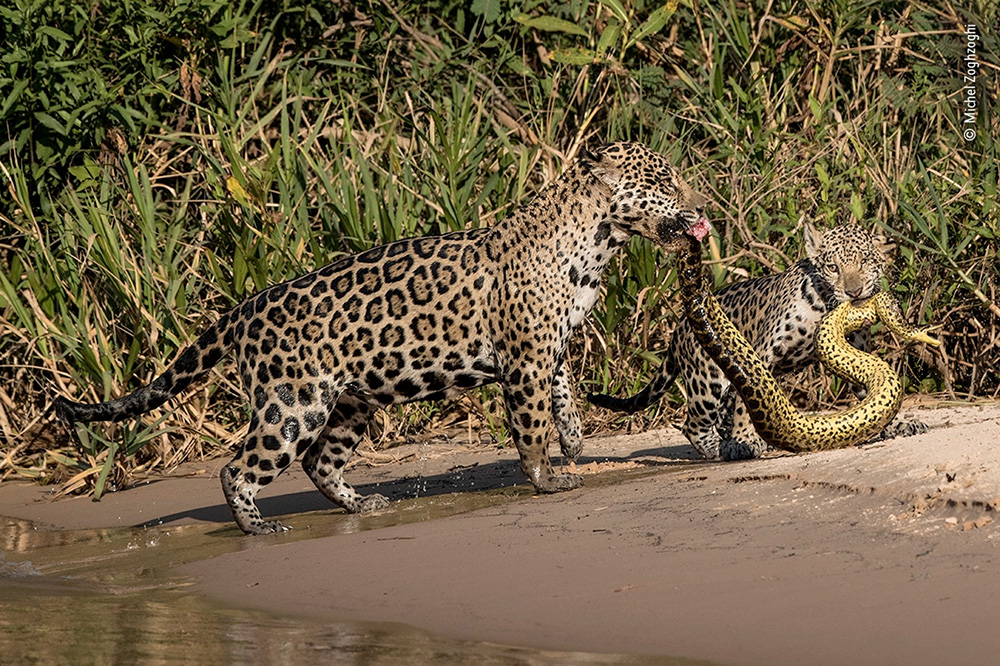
(427, 318)
(779, 315)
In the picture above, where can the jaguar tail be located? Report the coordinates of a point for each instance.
(650, 395)
(193, 363)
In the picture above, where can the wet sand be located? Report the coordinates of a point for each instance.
(883, 554)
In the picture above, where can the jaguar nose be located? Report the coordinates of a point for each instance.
(855, 294)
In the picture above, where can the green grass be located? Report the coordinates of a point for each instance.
(163, 162)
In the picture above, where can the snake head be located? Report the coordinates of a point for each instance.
(924, 335)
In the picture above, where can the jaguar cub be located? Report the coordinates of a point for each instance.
(425, 319)
(779, 314)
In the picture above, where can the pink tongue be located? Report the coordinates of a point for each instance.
(699, 229)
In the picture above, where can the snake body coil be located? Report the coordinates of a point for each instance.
(774, 417)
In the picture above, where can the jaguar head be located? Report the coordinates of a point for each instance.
(648, 195)
(852, 260)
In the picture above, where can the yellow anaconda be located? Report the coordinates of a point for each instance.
(774, 417)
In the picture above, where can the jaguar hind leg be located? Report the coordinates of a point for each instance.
(285, 423)
(702, 422)
(704, 386)
(324, 461)
(241, 495)
(268, 450)
(700, 431)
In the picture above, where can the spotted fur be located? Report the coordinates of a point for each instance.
(425, 319)
(776, 420)
(779, 315)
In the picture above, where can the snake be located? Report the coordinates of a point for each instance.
(774, 417)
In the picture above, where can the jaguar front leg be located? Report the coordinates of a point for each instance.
(564, 413)
(739, 438)
(528, 397)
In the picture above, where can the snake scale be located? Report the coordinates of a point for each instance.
(774, 417)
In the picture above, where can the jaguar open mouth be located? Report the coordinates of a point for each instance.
(699, 229)
(674, 237)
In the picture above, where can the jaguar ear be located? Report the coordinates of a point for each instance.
(586, 155)
(604, 167)
(813, 238)
(885, 246)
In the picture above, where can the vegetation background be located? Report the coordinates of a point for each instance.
(165, 158)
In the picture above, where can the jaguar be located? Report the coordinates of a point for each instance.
(427, 318)
(779, 315)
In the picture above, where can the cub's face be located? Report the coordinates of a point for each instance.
(851, 259)
(648, 195)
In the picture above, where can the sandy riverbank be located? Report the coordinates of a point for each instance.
(885, 554)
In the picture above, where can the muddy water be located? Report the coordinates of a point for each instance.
(109, 596)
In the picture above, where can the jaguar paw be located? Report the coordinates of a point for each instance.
(373, 503)
(559, 482)
(734, 449)
(268, 527)
(902, 428)
(571, 450)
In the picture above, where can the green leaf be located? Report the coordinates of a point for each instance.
(617, 9)
(657, 19)
(240, 271)
(857, 207)
(488, 9)
(105, 469)
(821, 172)
(50, 122)
(85, 441)
(55, 32)
(238, 192)
(550, 24)
(982, 231)
(519, 66)
(574, 56)
(63, 459)
(649, 357)
(815, 107)
(609, 37)
(12, 96)
(24, 318)
(86, 174)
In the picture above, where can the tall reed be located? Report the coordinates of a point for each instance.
(241, 145)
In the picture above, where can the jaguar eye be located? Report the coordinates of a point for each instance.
(833, 268)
